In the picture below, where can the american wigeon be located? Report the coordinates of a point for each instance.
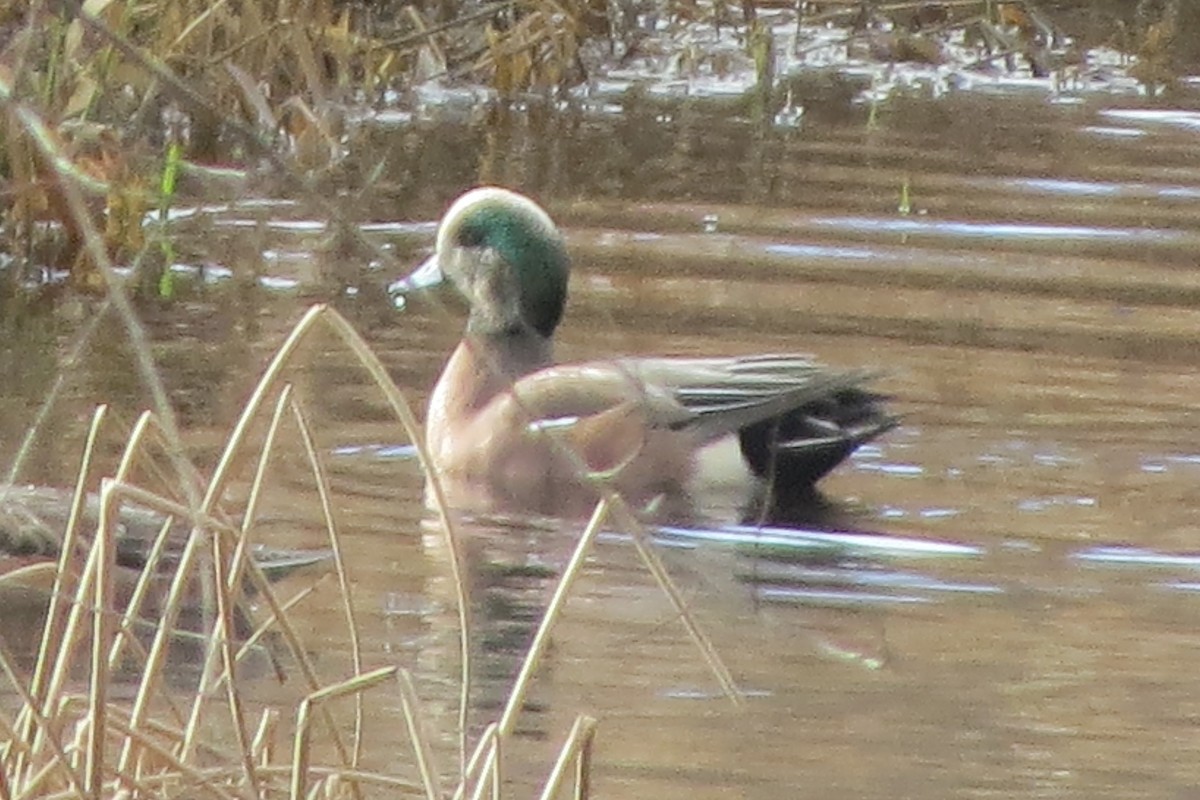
(510, 429)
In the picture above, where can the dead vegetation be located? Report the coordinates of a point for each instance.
(64, 740)
(132, 101)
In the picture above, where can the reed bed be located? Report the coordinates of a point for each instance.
(136, 95)
(65, 740)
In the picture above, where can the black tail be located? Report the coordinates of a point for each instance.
(795, 450)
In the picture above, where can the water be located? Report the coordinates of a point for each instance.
(1034, 312)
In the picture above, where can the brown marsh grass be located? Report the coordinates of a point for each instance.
(71, 742)
(124, 99)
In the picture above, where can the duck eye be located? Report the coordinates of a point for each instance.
(471, 236)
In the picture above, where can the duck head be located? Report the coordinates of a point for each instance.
(506, 256)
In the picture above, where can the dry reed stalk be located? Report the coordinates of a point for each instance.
(240, 557)
(238, 434)
(144, 754)
(103, 550)
(64, 576)
(269, 379)
(352, 686)
(365, 778)
(214, 490)
(418, 734)
(263, 746)
(224, 634)
(577, 748)
(403, 411)
(146, 424)
(61, 761)
(484, 763)
(93, 244)
(181, 769)
(335, 541)
(541, 637)
(94, 586)
(98, 585)
(269, 622)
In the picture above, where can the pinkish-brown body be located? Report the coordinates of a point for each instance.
(489, 458)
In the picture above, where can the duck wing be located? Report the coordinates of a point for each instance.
(709, 396)
(795, 418)
(724, 395)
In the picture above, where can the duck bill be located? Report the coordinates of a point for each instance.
(426, 276)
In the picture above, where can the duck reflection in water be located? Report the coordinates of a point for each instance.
(509, 429)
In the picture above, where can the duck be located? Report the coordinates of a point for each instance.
(509, 428)
(33, 521)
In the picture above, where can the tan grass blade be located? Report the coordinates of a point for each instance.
(203, 527)
(147, 423)
(216, 489)
(85, 600)
(165, 506)
(262, 749)
(226, 598)
(653, 563)
(404, 413)
(484, 766)
(335, 542)
(68, 181)
(61, 762)
(183, 572)
(237, 569)
(479, 756)
(154, 557)
(84, 589)
(300, 749)
(64, 579)
(417, 734)
(371, 778)
(576, 749)
(5, 789)
(209, 676)
(541, 638)
(151, 745)
(104, 545)
(271, 620)
(250, 514)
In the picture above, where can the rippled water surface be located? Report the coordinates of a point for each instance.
(1022, 270)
